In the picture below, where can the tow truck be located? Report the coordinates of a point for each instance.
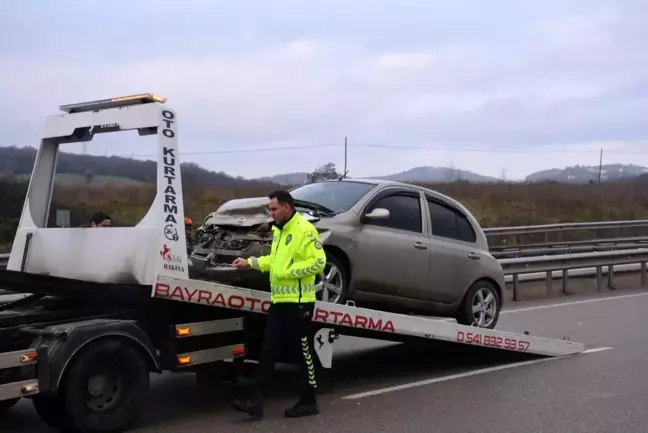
(103, 308)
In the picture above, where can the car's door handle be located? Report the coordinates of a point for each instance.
(473, 256)
(420, 246)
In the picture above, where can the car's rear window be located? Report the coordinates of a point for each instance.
(337, 196)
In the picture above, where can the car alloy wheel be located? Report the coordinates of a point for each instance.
(484, 307)
(329, 284)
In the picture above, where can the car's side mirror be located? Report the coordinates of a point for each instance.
(377, 214)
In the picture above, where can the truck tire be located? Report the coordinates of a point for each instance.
(51, 411)
(105, 387)
(5, 405)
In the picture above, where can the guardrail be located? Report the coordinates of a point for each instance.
(562, 266)
(595, 241)
(591, 245)
(544, 228)
(587, 263)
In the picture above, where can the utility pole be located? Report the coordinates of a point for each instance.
(600, 165)
(345, 155)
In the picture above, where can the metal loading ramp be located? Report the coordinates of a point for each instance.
(364, 322)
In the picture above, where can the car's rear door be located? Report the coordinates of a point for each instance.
(455, 260)
(393, 255)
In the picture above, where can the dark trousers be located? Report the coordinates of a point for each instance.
(288, 328)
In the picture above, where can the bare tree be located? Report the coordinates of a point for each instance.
(324, 172)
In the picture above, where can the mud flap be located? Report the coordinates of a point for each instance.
(323, 342)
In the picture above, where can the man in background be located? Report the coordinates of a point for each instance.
(100, 219)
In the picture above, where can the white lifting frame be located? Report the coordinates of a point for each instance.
(136, 255)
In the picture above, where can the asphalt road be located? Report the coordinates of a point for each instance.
(605, 390)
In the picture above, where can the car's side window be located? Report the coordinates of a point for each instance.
(404, 213)
(450, 223)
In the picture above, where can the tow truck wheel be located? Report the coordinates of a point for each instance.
(5, 405)
(51, 411)
(481, 306)
(105, 387)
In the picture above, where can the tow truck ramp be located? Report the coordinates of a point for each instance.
(351, 320)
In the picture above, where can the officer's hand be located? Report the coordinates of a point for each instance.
(240, 263)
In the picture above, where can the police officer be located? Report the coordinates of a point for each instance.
(296, 257)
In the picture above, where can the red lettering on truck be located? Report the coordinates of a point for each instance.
(352, 320)
(206, 297)
(247, 303)
(493, 341)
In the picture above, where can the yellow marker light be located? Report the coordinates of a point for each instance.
(120, 101)
(184, 359)
(238, 351)
(183, 332)
(29, 357)
(29, 389)
(152, 97)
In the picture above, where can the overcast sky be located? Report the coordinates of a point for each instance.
(497, 87)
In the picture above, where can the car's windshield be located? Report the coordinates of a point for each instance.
(336, 196)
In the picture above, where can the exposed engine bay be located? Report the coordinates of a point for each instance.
(239, 228)
(220, 245)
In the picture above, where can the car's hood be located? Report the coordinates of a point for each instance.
(244, 212)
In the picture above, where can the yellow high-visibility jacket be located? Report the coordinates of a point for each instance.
(295, 258)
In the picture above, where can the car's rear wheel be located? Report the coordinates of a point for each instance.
(481, 306)
(332, 285)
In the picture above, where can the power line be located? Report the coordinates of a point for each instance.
(244, 150)
(491, 150)
(393, 147)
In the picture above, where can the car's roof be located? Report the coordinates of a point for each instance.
(379, 182)
(384, 182)
(371, 180)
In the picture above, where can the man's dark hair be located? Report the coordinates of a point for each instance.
(98, 217)
(282, 197)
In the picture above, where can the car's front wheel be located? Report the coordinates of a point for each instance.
(332, 285)
(481, 306)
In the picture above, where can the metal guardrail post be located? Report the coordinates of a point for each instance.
(565, 281)
(564, 263)
(4, 260)
(599, 278)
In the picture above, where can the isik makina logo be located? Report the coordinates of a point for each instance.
(172, 262)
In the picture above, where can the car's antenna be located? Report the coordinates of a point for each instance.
(344, 175)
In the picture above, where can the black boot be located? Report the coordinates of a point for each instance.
(250, 402)
(306, 406)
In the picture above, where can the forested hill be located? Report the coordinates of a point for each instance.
(20, 161)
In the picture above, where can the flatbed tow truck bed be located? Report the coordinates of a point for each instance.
(96, 322)
(168, 323)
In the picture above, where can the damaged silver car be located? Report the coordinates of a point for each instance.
(389, 245)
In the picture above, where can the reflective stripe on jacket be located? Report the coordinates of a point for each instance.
(295, 258)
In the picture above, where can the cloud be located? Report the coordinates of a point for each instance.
(439, 79)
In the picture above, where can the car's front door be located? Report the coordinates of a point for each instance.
(455, 261)
(392, 254)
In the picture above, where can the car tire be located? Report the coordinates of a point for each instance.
(479, 290)
(343, 279)
(121, 387)
(5, 405)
